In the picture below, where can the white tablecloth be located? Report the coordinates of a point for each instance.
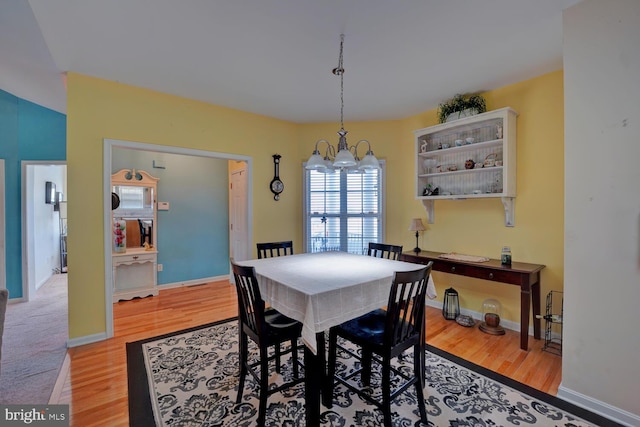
(324, 289)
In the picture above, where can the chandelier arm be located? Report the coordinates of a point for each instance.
(331, 151)
(316, 151)
(368, 146)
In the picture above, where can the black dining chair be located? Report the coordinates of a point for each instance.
(271, 250)
(383, 250)
(274, 249)
(266, 327)
(386, 334)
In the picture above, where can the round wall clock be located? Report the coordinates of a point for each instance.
(276, 184)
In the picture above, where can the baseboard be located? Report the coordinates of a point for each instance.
(608, 411)
(507, 324)
(56, 394)
(87, 339)
(193, 282)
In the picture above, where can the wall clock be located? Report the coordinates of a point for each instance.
(276, 184)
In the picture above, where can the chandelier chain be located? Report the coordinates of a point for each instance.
(342, 156)
(339, 71)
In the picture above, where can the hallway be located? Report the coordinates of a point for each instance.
(34, 344)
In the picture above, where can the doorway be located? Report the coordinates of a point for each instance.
(238, 216)
(41, 229)
(3, 276)
(109, 146)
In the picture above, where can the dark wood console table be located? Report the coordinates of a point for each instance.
(527, 276)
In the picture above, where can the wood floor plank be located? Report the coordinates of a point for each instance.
(95, 381)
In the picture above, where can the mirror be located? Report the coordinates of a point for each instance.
(136, 208)
(136, 191)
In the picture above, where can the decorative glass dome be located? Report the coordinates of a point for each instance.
(491, 315)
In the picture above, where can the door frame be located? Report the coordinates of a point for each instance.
(3, 269)
(27, 232)
(242, 172)
(108, 146)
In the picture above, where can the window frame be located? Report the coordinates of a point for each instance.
(344, 215)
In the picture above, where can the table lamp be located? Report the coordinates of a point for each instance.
(417, 226)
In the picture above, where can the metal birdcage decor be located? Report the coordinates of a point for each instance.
(451, 304)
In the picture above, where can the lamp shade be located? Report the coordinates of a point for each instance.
(344, 158)
(416, 225)
(369, 162)
(316, 161)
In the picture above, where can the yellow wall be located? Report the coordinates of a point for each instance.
(99, 109)
(477, 226)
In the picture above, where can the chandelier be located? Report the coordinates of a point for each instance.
(344, 156)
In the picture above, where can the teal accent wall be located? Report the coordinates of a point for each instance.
(193, 235)
(27, 132)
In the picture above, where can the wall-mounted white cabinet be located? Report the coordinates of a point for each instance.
(473, 157)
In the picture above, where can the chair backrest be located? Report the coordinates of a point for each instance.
(382, 250)
(405, 310)
(250, 303)
(274, 249)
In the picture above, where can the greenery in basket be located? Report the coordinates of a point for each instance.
(460, 103)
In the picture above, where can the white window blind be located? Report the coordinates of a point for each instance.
(131, 197)
(343, 211)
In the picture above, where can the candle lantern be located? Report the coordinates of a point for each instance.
(491, 312)
(451, 304)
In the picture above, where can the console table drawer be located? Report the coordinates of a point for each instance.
(130, 258)
(494, 275)
(446, 267)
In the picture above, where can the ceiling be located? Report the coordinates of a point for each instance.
(274, 57)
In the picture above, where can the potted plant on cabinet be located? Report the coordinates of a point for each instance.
(461, 105)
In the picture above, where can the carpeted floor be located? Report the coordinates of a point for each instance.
(34, 344)
(191, 377)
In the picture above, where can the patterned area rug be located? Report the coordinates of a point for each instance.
(189, 378)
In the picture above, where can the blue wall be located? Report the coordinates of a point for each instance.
(193, 235)
(27, 132)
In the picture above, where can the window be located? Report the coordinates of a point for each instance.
(131, 197)
(343, 211)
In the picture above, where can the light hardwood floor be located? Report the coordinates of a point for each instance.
(94, 379)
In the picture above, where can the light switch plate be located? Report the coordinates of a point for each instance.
(163, 206)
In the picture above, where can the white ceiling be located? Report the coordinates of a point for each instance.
(274, 57)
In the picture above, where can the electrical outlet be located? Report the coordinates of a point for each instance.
(160, 267)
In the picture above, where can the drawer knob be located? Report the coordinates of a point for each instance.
(490, 275)
(135, 257)
(453, 269)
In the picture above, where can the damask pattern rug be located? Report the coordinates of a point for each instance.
(190, 378)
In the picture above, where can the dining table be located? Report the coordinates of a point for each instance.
(322, 290)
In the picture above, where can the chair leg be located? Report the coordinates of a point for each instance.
(277, 357)
(264, 387)
(419, 363)
(331, 368)
(386, 390)
(294, 358)
(366, 367)
(418, 371)
(242, 354)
